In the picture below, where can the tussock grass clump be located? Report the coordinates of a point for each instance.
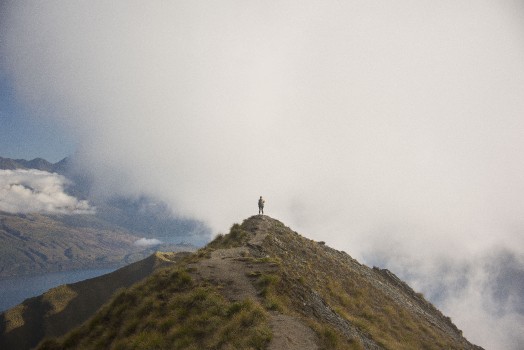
(379, 316)
(267, 283)
(171, 311)
(235, 238)
(331, 339)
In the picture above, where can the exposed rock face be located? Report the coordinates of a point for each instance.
(306, 294)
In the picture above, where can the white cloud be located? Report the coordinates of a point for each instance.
(490, 298)
(392, 130)
(147, 242)
(35, 191)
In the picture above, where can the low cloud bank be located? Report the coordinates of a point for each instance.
(487, 300)
(147, 242)
(35, 191)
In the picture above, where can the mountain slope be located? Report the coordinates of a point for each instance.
(263, 286)
(35, 243)
(38, 243)
(62, 308)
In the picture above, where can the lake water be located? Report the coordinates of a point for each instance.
(14, 290)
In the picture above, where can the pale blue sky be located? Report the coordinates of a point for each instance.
(27, 136)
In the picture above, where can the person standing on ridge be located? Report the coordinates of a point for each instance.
(261, 202)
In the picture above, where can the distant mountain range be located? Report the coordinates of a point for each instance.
(262, 286)
(36, 243)
(37, 163)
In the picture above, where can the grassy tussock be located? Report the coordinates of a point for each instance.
(331, 339)
(14, 318)
(267, 285)
(380, 317)
(235, 238)
(58, 298)
(169, 311)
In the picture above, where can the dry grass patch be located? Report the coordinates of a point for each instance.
(171, 311)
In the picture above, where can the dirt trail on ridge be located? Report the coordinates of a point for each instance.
(231, 267)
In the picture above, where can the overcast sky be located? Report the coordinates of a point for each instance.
(391, 130)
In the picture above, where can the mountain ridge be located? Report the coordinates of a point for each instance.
(264, 286)
(58, 310)
(36, 163)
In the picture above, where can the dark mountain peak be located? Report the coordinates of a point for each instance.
(37, 164)
(9, 164)
(63, 166)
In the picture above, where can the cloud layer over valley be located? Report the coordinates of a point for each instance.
(390, 130)
(35, 191)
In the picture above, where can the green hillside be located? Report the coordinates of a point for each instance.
(263, 286)
(60, 309)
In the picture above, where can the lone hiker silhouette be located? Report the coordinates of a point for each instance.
(261, 202)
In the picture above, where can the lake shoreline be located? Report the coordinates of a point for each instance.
(15, 290)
